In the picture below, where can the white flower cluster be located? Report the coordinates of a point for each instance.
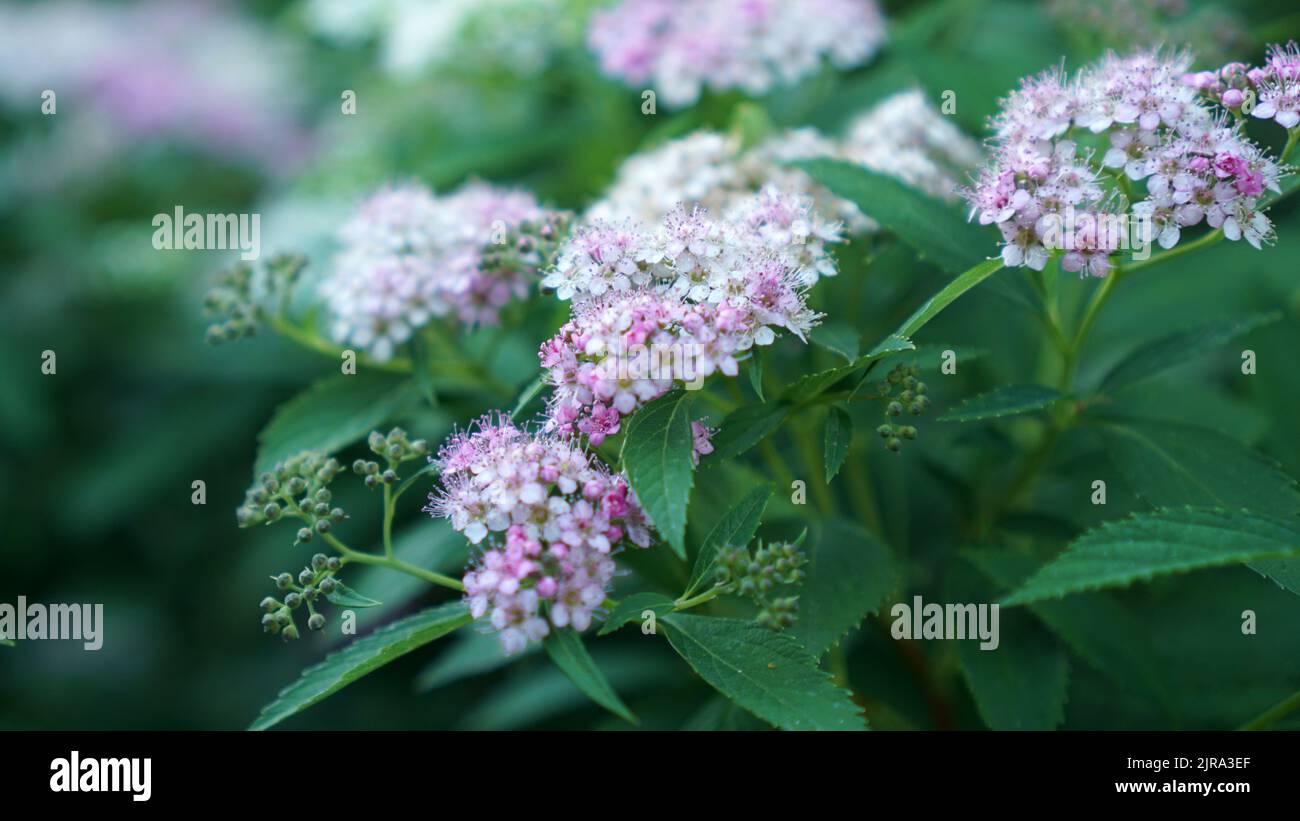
(903, 136)
(409, 256)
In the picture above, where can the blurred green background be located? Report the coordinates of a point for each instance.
(98, 460)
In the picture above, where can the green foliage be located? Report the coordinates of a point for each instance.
(1175, 349)
(657, 457)
(1006, 401)
(1153, 544)
(849, 574)
(566, 649)
(765, 672)
(363, 656)
(735, 529)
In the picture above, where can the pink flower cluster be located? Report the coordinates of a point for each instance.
(409, 255)
(550, 516)
(1273, 87)
(679, 47)
(655, 311)
(1046, 189)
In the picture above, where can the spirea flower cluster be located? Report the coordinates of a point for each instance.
(1274, 88)
(1052, 186)
(903, 136)
(679, 47)
(548, 514)
(672, 306)
(409, 256)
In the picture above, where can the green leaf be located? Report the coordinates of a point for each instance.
(471, 653)
(332, 414)
(1175, 349)
(345, 596)
(766, 672)
(1170, 464)
(657, 454)
(947, 295)
(836, 338)
(812, 385)
(8, 642)
(422, 369)
(848, 575)
(1008, 400)
(745, 427)
(1021, 683)
(754, 370)
(839, 437)
(632, 608)
(566, 649)
(1096, 626)
(934, 229)
(735, 529)
(341, 668)
(528, 394)
(1153, 544)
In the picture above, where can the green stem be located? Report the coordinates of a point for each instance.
(1274, 714)
(388, 520)
(1204, 242)
(313, 342)
(707, 595)
(393, 563)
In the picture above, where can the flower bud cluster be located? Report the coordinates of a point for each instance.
(394, 449)
(302, 591)
(242, 296)
(911, 398)
(297, 488)
(757, 576)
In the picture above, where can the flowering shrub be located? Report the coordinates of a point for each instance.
(700, 408)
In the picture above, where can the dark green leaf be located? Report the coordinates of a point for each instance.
(528, 394)
(566, 649)
(1168, 351)
(735, 529)
(946, 296)
(766, 672)
(422, 369)
(632, 609)
(1153, 544)
(848, 575)
(333, 413)
(754, 370)
(1019, 684)
(341, 668)
(934, 229)
(745, 427)
(836, 338)
(1005, 401)
(657, 454)
(472, 653)
(839, 437)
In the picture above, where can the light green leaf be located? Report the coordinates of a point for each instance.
(341, 668)
(839, 437)
(848, 575)
(7, 642)
(1021, 683)
(332, 414)
(836, 338)
(934, 229)
(345, 596)
(947, 295)
(766, 672)
(754, 370)
(1168, 351)
(657, 456)
(1153, 544)
(745, 427)
(566, 649)
(1005, 401)
(735, 529)
(422, 369)
(632, 608)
